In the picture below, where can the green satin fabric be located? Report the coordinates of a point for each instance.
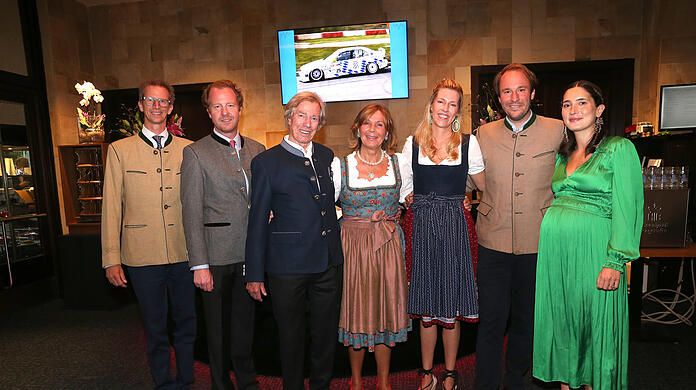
(595, 221)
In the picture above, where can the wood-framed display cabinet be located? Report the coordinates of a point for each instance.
(82, 170)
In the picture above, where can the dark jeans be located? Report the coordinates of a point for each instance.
(159, 288)
(291, 295)
(506, 285)
(229, 320)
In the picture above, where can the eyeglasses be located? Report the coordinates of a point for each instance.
(149, 101)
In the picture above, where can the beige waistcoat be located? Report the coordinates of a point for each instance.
(141, 210)
(519, 167)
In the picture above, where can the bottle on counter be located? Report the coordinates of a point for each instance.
(684, 176)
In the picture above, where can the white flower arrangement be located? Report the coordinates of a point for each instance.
(90, 124)
(88, 91)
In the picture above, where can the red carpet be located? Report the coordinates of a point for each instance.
(408, 380)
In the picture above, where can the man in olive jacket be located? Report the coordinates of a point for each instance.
(519, 153)
(215, 192)
(142, 229)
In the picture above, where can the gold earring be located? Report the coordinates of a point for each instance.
(456, 126)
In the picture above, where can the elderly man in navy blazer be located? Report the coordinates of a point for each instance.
(299, 251)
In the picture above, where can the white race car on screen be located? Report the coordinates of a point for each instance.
(349, 60)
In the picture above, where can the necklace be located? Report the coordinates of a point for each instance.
(370, 174)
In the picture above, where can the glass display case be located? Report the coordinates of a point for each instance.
(20, 224)
(17, 196)
(29, 216)
(21, 239)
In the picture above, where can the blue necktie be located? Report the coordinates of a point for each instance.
(158, 139)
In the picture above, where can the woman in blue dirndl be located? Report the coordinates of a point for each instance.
(442, 290)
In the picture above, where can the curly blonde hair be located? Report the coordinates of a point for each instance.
(424, 134)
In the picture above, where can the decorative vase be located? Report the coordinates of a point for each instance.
(87, 131)
(90, 135)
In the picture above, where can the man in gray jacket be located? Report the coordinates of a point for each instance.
(215, 193)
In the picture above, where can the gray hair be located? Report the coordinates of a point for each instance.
(305, 96)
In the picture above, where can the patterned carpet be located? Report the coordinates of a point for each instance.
(49, 347)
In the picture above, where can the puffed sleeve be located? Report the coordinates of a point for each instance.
(406, 170)
(627, 206)
(406, 186)
(475, 157)
(336, 174)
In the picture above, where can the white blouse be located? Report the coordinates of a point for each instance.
(387, 180)
(475, 159)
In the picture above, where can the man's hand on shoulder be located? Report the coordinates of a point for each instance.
(257, 290)
(203, 279)
(116, 276)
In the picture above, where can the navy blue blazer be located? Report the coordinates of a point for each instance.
(303, 237)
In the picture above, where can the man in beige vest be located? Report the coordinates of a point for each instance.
(142, 229)
(519, 153)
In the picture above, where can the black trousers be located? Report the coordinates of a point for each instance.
(506, 284)
(291, 295)
(229, 321)
(160, 288)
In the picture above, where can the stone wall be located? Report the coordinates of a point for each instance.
(196, 41)
(67, 54)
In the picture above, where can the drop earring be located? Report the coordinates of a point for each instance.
(565, 133)
(598, 124)
(456, 126)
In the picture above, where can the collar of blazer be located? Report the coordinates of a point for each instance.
(526, 125)
(149, 143)
(291, 149)
(224, 142)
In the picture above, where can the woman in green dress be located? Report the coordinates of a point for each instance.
(589, 233)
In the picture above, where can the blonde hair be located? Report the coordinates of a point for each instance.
(389, 144)
(424, 134)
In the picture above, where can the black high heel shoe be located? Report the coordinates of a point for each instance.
(451, 374)
(433, 382)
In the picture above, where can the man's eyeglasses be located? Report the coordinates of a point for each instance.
(149, 101)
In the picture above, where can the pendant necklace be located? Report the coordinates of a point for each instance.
(370, 174)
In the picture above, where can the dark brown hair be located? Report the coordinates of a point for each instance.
(389, 144)
(567, 147)
(156, 83)
(222, 84)
(533, 81)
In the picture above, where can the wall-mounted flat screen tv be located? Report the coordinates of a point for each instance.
(678, 107)
(343, 63)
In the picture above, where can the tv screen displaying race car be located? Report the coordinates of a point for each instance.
(343, 63)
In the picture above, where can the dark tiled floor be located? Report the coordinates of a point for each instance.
(48, 347)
